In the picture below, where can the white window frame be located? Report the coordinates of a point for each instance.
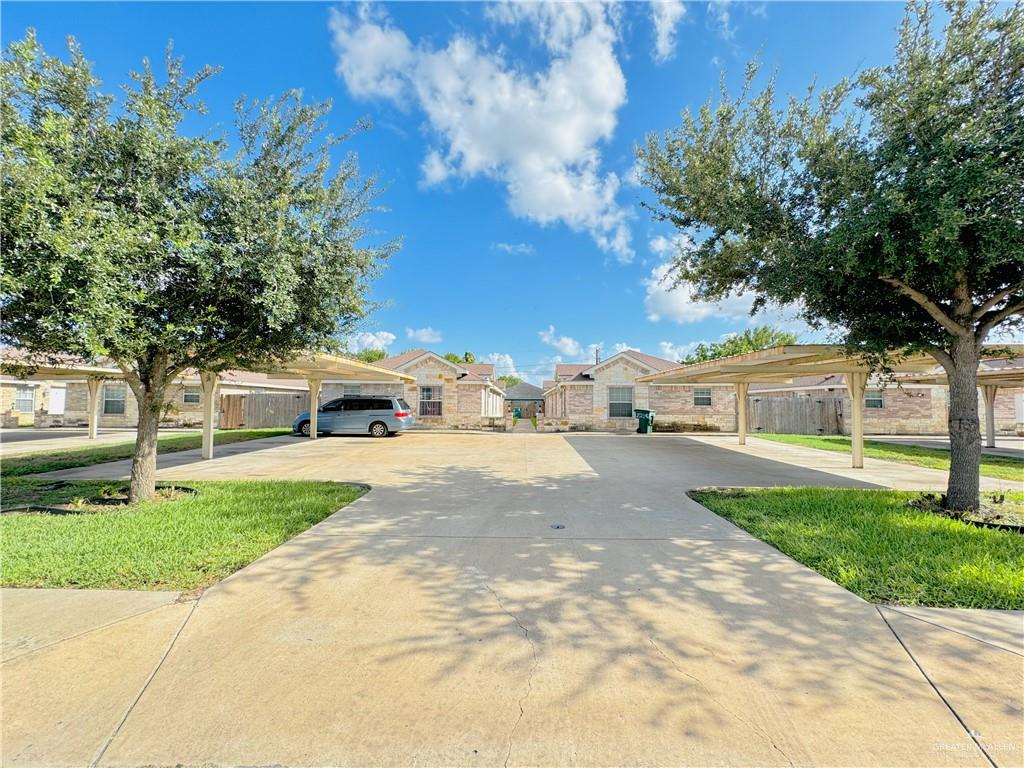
(123, 399)
(615, 398)
(351, 390)
(192, 394)
(20, 398)
(874, 399)
(701, 394)
(434, 405)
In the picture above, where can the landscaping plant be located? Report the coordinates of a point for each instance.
(131, 235)
(890, 205)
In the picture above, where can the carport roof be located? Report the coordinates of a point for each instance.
(1000, 373)
(783, 364)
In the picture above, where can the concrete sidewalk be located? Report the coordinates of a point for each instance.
(516, 600)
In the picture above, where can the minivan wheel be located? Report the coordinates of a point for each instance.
(379, 429)
(304, 429)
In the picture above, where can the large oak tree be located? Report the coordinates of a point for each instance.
(890, 205)
(128, 236)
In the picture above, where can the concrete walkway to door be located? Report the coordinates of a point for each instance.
(519, 600)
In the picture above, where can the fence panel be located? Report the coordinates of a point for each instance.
(257, 410)
(796, 415)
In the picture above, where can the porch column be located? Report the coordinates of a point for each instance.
(741, 411)
(93, 385)
(988, 391)
(856, 383)
(314, 404)
(209, 383)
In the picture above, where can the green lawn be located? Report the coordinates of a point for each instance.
(1003, 467)
(49, 461)
(177, 544)
(876, 546)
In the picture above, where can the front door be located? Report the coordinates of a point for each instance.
(58, 397)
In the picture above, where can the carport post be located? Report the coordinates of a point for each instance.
(988, 391)
(314, 404)
(208, 381)
(741, 410)
(93, 385)
(856, 383)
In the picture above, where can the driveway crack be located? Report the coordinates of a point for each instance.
(145, 687)
(752, 726)
(529, 680)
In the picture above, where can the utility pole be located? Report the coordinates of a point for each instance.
(597, 355)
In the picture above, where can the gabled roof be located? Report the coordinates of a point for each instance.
(480, 369)
(393, 363)
(570, 370)
(657, 363)
(547, 384)
(524, 391)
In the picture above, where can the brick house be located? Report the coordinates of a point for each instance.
(604, 396)
(445, 394)
(65, 403)
(907, 409)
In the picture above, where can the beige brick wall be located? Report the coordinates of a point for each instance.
(40, 398)
(675, 409)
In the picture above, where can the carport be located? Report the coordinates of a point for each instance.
(990, 379)
(782, 365)
(313, 369)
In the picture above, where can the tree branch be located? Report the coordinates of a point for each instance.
(982, 309)
(942, 356)
(994, 318)
(928, 305)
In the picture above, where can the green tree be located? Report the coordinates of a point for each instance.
(890, 206)
(465, 357)
(125, 238)
(370, 355)
(751, 340)
(509, 381)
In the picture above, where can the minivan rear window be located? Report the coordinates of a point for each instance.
(403, 404)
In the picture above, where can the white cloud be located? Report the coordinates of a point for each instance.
(666, 14)
(514, 249)
(566, 345)
(669, 247)
(677, 304)
(621, 347)
(504, 365)
(358, 342)
(536, 132)
(424, 335)
(719, 16)
(671, 351)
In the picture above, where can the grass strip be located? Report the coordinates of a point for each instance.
(875, 545)
(174, 544)
(50, 461)
(1003, 467)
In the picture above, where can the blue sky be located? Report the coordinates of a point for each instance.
(505, 134)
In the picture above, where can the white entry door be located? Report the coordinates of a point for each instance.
(58, 396)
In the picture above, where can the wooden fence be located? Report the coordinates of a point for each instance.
(796, 415)
(261, 409)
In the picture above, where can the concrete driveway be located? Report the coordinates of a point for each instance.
(515, 600)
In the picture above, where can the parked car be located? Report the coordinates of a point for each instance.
(377, 416)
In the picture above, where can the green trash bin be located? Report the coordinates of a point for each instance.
(646, 419)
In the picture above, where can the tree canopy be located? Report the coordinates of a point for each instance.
(126, 237)
(890, 205)
(454, 357)
(750, 340)
(509, 380)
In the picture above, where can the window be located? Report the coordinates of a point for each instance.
(113, 399)
(430, 401)
(873, 399)
(350, 390)
(702, 396)
(192, 395)
(620, 402)
(24, 399)
(333, 405)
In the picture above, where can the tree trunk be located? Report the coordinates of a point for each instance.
(143, 480)
(963, 490)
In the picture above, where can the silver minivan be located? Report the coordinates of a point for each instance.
(377, 416)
